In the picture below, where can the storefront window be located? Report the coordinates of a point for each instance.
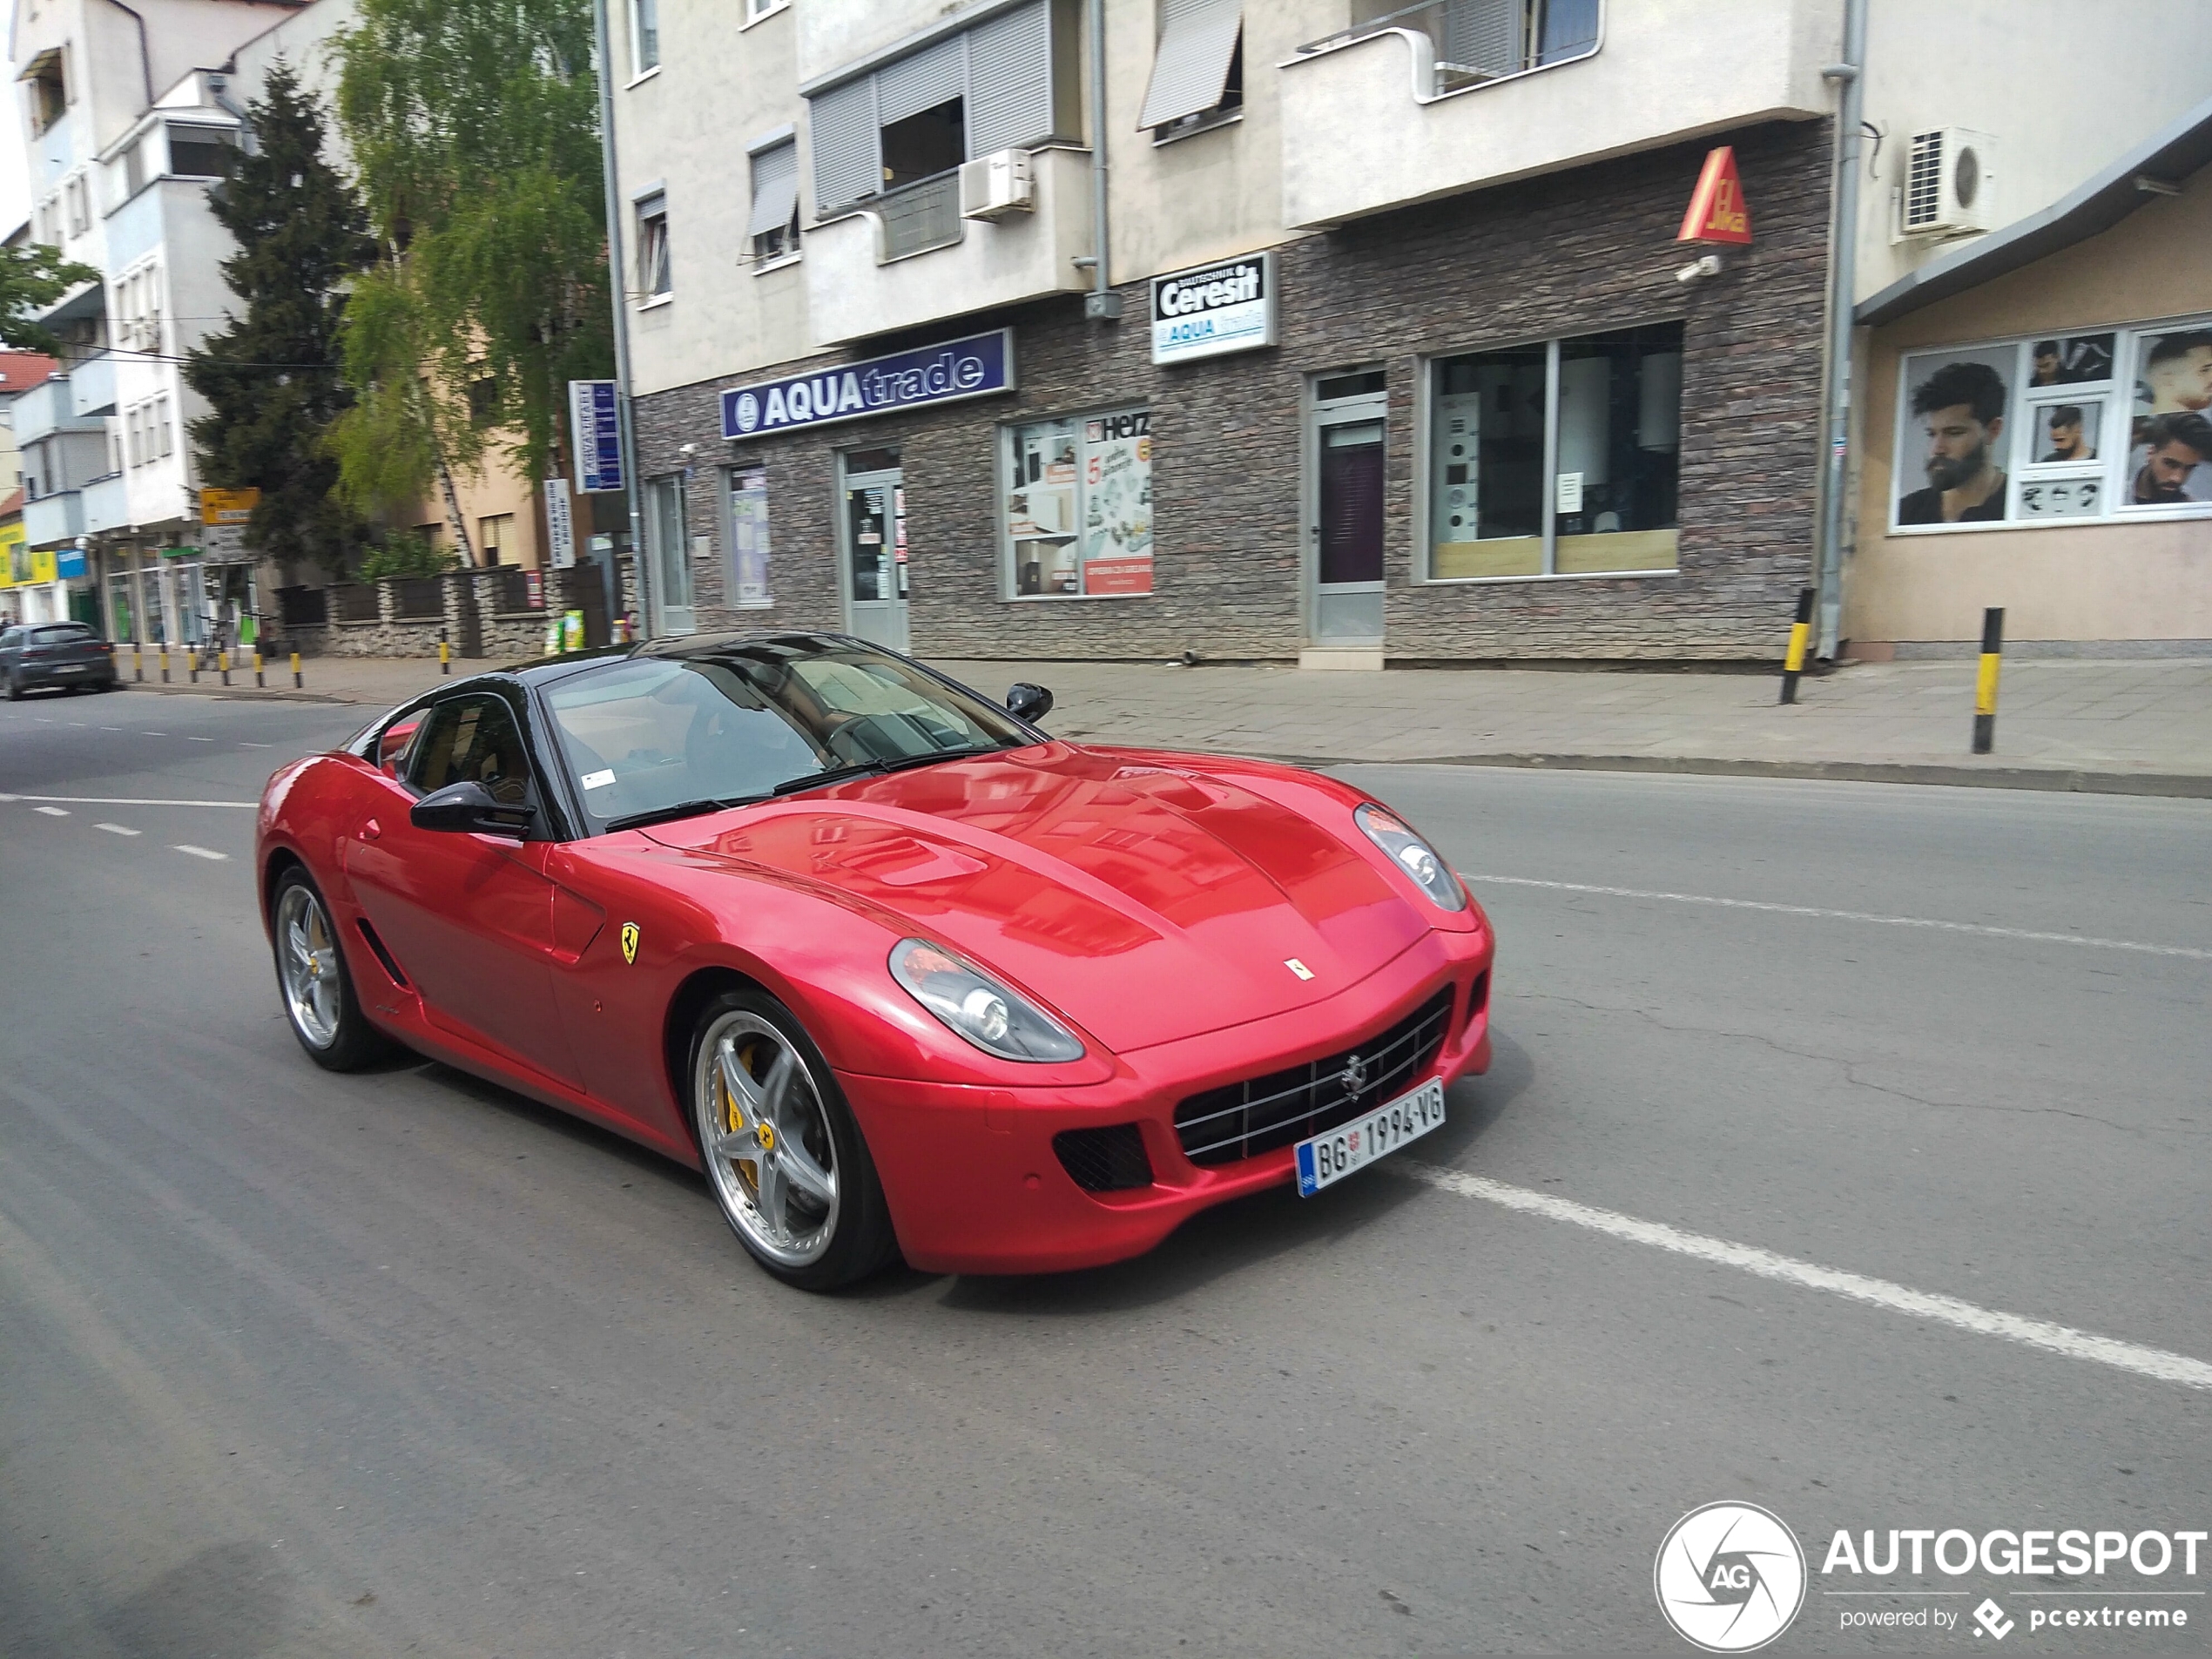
(2107, 423)
(1559, 459)
(748, 539)
(1077, 506)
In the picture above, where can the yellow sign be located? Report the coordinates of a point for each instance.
(227, 506)
(630, 941)
(42, 565)
(11, 554)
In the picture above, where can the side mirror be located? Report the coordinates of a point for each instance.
(1027, 702)
(468, 808)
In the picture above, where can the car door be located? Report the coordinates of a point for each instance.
(468, 918)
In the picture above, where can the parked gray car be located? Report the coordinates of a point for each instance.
(61, 654)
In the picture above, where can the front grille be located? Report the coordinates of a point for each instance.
(1104, 1160)
(1245, 1119)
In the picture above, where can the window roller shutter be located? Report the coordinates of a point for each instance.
(922, 81)
(1483, 34)
(841, 122)
(1191, 65)
(1010, 80)
(775, 189)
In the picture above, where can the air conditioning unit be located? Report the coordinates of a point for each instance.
(1949, 183)
(995, 185)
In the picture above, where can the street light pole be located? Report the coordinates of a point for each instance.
(618, 292)
(1842, 284)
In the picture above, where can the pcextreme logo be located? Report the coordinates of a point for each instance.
(1730, 1577)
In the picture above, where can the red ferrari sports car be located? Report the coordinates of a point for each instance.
(898, 971)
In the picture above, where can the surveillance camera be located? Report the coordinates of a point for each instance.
(689, 450)
(1708, 267)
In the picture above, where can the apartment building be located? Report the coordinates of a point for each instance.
(1318, 330)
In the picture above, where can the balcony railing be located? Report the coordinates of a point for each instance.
(1484, 40)
(919, 217)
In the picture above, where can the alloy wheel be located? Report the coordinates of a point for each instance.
(307, 963)
(766, 1138)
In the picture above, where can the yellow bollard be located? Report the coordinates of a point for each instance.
(1992, 646)
(224, 658)
(164, 662)
(445, 655)
(138, 661)
(259, 681)
(295, 671)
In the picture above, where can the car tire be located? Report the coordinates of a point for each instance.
(316, 985)
(811, 1211)
(15, 689)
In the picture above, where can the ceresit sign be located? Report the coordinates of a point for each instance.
(980, 366)
(1214, 310)
(227, 506)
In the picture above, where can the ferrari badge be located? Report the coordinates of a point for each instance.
(1298, 967)
(630, 942)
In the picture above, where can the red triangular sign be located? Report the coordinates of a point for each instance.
(1717, 210)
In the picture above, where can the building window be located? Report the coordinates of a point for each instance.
(756, 10)
(495, 536)
(201, 152)
(164, 430)
(137, 309)
(2109, 423)
(1475, 42)
(49, 90)
(774, 227)
(999, 86)
(1076, 517)
(665, 535)
(134, 168)
(748, 539)
(1198, 66)
(645, 36)
(654, 275)
(1557, 459)
(80, 207)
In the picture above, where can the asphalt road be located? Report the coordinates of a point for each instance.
(398, 1362)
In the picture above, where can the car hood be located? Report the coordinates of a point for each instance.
(1147, 898)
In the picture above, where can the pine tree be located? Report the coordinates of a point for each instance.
(273, 380)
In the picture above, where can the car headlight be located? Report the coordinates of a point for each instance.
(994, 1019)
(1415, 856)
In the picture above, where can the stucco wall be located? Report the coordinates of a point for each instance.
(2090, 582)
(1507, 266)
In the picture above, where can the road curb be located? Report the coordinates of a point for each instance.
(2052, 779)
(255, 694)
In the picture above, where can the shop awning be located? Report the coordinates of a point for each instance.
(2166, 159)
(1190, 63)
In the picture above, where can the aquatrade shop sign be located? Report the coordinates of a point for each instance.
(980, 366)
(1214, 309)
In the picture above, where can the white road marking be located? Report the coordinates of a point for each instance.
(110, 728)
(2154, 1363)
(192, 739)
(153, 734)
(2189, 951)
(116, 829)
(198, 851)
(52, 811)
(256, 745)
(121, 800)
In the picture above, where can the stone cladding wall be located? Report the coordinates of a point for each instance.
(1569, 253)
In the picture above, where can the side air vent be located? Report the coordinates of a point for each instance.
(383, 956)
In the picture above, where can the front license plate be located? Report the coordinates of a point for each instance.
(1330, 1157)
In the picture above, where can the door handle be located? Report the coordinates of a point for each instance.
(371, 830)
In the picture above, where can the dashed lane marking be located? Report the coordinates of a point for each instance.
(116, 829)
(52, 811)
(2189, 951)
(120, 801)
(199, 852)
(2154, 1363)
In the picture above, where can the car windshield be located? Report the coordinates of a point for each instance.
(647, 735)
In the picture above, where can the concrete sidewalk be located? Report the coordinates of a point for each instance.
(2138, 725)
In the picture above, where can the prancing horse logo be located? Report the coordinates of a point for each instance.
(1355, 1075)
(630, 942)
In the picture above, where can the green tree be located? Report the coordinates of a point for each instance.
(273, 380)
(473, 127)
(31, 278)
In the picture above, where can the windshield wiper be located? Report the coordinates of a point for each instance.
(877, 768)
(681, 809)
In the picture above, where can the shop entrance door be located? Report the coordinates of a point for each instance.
(874, 531)
(1344, 506)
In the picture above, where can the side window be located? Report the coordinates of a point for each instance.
(11, 639)
(471, 739)
(391, 746)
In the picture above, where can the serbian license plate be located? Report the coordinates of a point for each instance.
(72, 668)
(1330, 1157)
